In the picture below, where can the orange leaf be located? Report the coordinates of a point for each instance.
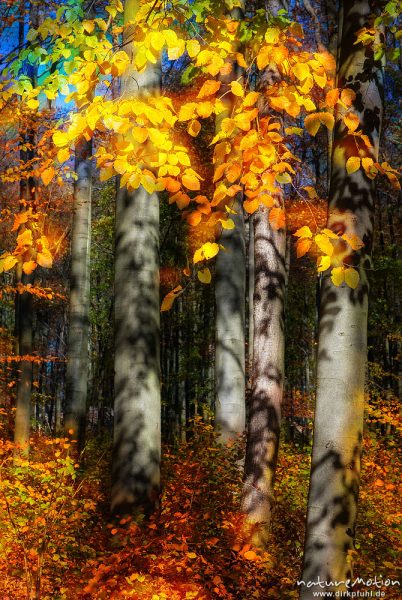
(251, 206)
(277, 218)
(168, 300)
(208, 88)
(190, 182)
(250, 555)
(302, 247)
(47, 175)
(332, 97)
(29, 266)
(348, 96)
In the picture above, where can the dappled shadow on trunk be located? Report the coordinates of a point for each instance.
(267, 373)
(332, 516)
(230, 286)
(136, 453)
(342, 346)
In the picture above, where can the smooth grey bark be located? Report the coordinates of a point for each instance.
(342, 346)
(268, 360)
(230, 292)
(77, 346)
(137, 419)
(267, 372)
(230, 289)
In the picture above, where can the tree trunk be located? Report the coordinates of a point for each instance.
(267, 372)
(268, 360)
(230, 289)
(23, 302)
(77, 349)
(342, 345)
(137, 427)
(230, 292)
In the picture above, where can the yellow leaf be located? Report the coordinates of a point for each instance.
(33, 103)
(227, 223)
(8, 262)
(205, 277)
(47, 175)
(303, 246)
(60, 138)
(330, 233)
(187, 111)
(312, 194)
(29, 266)
(148, 182)
(88, 26)
(208, 88)
(321, 80)
(25, 238)
(324, 244)
(206, 252)
(303, 232)
(351, 121)
(367, 163)
(352, 164)
(352, 278)
(272, 35)
(194, 128)
(63, 155)
(193, 48)
(237, 89)
(283, 178)
(139, 134)
(251, 99)
(324, 262)
(293, 131)
(301, 70)
(312, 123)
(338, 275)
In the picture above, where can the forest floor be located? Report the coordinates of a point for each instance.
(57, 541)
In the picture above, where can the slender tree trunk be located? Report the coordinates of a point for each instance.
(23, 302)
(230, 292)
(268, 361)
(137, 427)
(230, 289)
(342, 345)
(77, 348)
(267, 372)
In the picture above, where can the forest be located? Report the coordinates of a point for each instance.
(200, 299)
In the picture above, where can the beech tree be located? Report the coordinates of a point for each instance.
(230, 292)
(77, 349)
(137, 430)
(23, 300)
(342, 346)
(267, 367)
